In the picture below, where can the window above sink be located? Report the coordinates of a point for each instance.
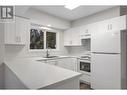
(41, 39)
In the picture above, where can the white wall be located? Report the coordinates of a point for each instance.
(46, 19)
(103, 15)
(78, 51)
(1, 55)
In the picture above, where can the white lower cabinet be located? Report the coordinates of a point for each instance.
(67, 63)
(51, 62)
(85, 78)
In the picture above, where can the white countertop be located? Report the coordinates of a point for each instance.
(59, 57)
(35, 74)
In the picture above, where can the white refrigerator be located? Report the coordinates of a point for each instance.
(108, 60)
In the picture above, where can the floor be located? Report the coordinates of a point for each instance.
(84, 86)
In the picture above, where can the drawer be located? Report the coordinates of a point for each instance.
(85, 78)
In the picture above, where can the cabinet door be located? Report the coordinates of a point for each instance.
(71, 37)
(67, 38)
(43, 61)
(24, 30)
(15, 32)
(21, 25)
(85, 31)
(76, 36)
(82, 29)
(10, 33)
(68, 63)
(74, 64)
(51, 62)
(62, 62)
(118, 23)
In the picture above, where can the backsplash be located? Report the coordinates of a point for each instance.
(22, 51)
(80, 50)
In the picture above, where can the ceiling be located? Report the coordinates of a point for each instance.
(64, 13)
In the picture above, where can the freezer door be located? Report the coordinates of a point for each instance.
(103, 40)
(105, 71)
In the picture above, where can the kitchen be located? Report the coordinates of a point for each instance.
(52, 47)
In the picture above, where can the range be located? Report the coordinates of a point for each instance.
(84, 67)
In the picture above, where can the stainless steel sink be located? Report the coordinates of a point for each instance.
(51, 57)
(47, 58)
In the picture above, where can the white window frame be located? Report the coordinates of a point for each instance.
(57, 39)
(44, 30)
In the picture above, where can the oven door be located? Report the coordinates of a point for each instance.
(84, 67)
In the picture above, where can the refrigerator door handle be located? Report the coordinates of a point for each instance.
(104, 53)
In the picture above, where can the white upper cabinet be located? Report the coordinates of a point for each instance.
(117, 23)
(9, 33)
(72, 37)
(21, 28)
(85, 32)
(67, 63)
(15, 32)
(96, 31)
(105, 36)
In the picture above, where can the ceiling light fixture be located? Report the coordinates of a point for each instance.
(71, 6)
(46, 28)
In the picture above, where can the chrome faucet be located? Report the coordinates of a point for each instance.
(47, 53)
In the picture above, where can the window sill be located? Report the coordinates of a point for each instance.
(42, 50)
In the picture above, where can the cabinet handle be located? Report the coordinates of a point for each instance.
(18, 39)
(86, 31)
(110, 26)
(70, 42)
